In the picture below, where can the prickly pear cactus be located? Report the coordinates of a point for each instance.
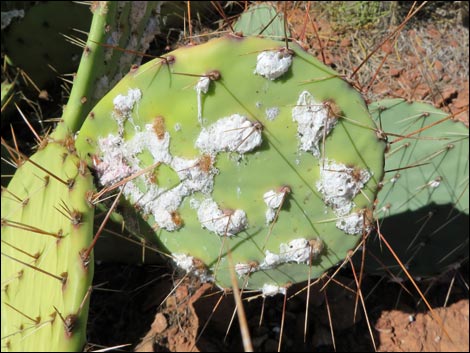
(241, 145)
(46, 222)
(423, 205)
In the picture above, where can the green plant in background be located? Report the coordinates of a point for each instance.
(423, 204)
(47, 217)
(356, 14)
(231, 143)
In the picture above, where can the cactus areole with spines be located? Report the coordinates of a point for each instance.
(250, 147)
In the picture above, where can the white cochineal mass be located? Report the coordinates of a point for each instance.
(298, 250)
(230, 134)
(202, 87)
(273, 200)
(221, 222)
(339, 184)
(273, 64)
(314, 122)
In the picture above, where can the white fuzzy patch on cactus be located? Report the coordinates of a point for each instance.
(313, 122)
(221, 222)
(270, 290)
(273, 200)
(230, 134)
(352, 223)
(201, 87)
(339, 184)
(186, 263)
(162, 202)
(192, 177)
(273, 64)
(123, 106)
(114, 165)
(270, 215)
(146, 140)
(159, 202)
(270, 260)
(272, 113)
(243, 269)
(183, 261)
(297, 250)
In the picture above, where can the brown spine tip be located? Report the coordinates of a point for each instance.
(76, 218)
(64, 276)
(82, 167)
(169, 59)
(134, 69)
(70, 183)
(334, 111)
(214, 75)
(236, 35)
(70, 323)
(85, 258)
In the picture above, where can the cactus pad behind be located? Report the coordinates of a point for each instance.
(423, 205)
(46, 223)
(241, 145)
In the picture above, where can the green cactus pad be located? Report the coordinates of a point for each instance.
(249, 147)
(46, 223)
(262, 19)
(423, 205)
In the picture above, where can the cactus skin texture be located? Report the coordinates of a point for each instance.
(424, 209)
(229, 159)
(31, 299)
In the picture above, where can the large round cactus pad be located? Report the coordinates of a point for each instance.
(250, 147)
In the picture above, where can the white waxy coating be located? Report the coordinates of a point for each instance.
(146, 140)
(270, 290)
(183, 261)
(273, 200)
(230, 134)
(186, 263)
(352, 223)
(273, 64)
(270, 260)
(202, 87)
(114, 165)
(215, 220)
(123, 106)
(120, 161)
(243, 269)
(272, 113)
(297, 250)
(313, 122)
(339, 185)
